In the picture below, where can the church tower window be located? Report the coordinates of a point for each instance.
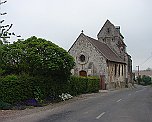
(108, 30)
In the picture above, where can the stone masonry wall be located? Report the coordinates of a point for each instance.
(99, 65)
(112, 37)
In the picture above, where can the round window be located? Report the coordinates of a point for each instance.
(82, 58)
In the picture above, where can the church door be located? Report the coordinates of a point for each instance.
(83, 73)
(102, 82)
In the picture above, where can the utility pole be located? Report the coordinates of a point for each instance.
(138, 71)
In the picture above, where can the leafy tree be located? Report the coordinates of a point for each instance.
(36, 56)
(146, 80)
(1, 51)
(5, 33)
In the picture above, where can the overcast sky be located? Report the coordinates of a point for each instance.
(61, 22)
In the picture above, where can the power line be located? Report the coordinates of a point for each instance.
(146, 60)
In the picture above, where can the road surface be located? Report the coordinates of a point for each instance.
(129, 105)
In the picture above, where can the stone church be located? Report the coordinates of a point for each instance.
(105, 57)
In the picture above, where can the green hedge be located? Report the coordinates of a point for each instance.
(20, 88)
(14, 89)
(81, 85)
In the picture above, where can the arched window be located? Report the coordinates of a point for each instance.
(82, 58)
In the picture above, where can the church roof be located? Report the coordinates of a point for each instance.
(105, 50)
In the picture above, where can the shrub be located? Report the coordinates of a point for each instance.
(81, 85)
(15, 89)
(144, 80)
(5, 106)
(36, 57)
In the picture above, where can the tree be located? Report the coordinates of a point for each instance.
(37, 57)
(148, 69)
(146, 80)
(5, 33)
(1, 51)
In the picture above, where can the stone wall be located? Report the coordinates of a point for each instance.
(116, 74)
(95, 62)
(89, 60)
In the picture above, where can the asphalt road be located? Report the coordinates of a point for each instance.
(129, 105)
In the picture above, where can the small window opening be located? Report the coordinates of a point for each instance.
(82, 58)
(108, 30)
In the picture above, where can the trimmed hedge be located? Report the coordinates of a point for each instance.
(5, 106)
(20, 88)
(14, 89)
(82, 85)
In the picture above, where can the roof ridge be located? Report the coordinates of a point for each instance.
(95, 45)
(91, 40)
(81, 34)
(107, 21)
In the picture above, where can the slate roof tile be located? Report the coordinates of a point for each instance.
(105, 50)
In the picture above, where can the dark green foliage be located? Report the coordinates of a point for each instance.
(37, 69)
(1, 52)
(144, 80)
(15, 89)
(81, 85)
(5, 106)
(36, 57)
(1, 42)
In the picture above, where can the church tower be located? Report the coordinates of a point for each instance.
(111, 36)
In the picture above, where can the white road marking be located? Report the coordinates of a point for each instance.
(118, 100)
(98, 117)
(86, 112)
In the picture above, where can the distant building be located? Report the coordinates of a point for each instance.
(105, 56)
(143, 72)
